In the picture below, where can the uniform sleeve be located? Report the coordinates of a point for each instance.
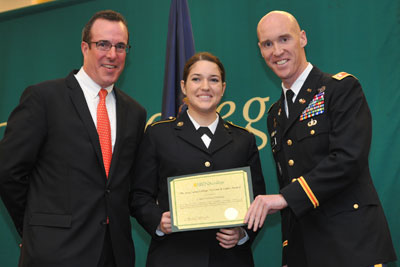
(349, 143)
(24, 135)
(145, 185)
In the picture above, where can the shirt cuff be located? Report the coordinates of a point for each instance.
(244, 239)
(159, 232)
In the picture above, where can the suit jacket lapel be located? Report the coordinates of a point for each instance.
(79, 101)
(306, 94)
(121, 115)
(186, 131)
(281, 117)
(221, 138)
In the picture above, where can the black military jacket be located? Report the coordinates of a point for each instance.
(321, 153)
(174, 148)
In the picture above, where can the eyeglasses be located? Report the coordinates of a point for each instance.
(104, 45)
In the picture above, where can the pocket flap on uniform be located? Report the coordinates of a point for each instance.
(312, 127)
(351, 200)
(55, 220)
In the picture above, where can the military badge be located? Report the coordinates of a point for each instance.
(312, 122)
(316, 106)
(322, 89)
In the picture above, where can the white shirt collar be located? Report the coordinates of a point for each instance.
(212, 126)
(93, 88)
(296, 86)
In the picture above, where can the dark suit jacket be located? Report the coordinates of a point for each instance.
(174, 148)
(52, 177)
(334, 217)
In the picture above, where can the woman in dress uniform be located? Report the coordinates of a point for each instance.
(177, 147)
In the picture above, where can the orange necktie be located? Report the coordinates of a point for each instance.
(104, 130)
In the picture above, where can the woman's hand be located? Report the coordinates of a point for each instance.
(228, 238)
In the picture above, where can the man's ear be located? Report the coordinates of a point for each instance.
(303, 39)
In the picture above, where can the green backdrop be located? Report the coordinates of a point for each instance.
(360, 37)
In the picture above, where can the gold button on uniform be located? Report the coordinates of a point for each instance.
(289, 142)
(207, 164)
(355, 206)
(291, 162)
(312, 132)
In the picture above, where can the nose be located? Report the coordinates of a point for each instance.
(112, 53)
(205, 85)
(277, 50)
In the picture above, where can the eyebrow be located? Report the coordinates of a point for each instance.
(202, 74)
(285, 35)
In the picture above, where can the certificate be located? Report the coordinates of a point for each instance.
(217, 199)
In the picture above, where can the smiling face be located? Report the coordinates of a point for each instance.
(282, 45)
(105, 67)
(203, 88)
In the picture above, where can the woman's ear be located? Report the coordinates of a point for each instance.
(183, 87)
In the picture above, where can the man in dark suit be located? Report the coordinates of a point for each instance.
(320, 132)
(67, 155)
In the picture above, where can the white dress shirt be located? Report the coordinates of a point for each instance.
(212, 127)
(296, 86)
(91, 92)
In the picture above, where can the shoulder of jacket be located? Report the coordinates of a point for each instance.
(229, 123)
(270, 107)
(170, 119)
(341, 75)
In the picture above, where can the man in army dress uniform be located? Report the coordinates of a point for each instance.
(320, 132)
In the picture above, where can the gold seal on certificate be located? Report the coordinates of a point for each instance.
(217, 199)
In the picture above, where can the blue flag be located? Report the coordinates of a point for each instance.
(180, 47)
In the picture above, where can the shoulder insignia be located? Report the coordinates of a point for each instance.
(163, 121)
(237, 126)
(341, 75)
(270, 107)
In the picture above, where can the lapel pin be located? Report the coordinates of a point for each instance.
(302, 101)
(309, 90)
(226, 126)
(279, 111)
(180, 123)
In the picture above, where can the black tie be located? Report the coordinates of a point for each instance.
(289, 101)
(205, 130)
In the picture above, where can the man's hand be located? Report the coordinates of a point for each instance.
(229, 237)
(165, 223)
(261, 207)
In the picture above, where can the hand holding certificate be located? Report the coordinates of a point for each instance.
(210, 200)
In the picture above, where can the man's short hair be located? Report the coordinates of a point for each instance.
(105, 14)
